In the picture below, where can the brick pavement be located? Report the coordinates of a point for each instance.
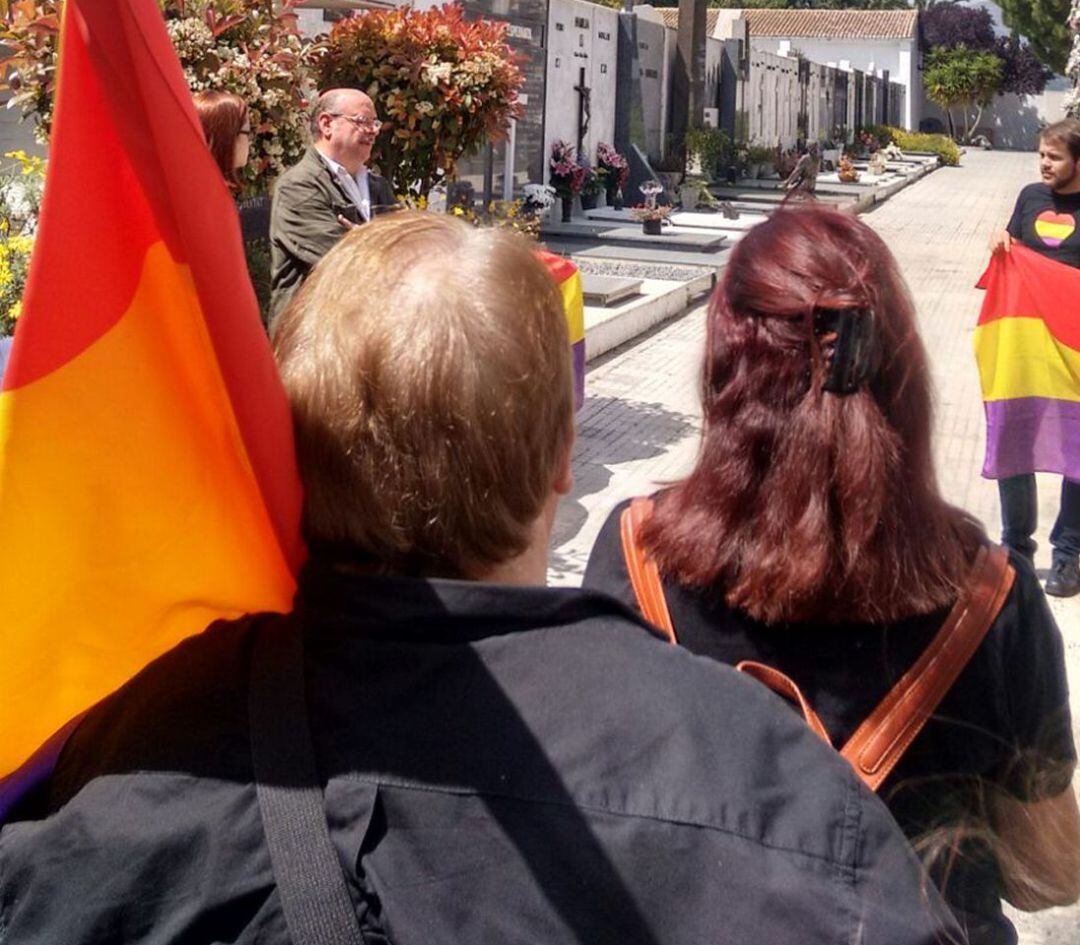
(639, 426)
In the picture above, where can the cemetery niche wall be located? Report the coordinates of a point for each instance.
(582, 66)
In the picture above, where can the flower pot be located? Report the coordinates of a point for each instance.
(614, 197)
(567, 209)
(651, 227)
(589, 201)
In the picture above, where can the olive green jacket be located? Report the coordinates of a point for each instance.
(304, 222)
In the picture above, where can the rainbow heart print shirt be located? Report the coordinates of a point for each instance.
(1054, 228)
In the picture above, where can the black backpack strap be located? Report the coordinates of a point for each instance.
(316, 902)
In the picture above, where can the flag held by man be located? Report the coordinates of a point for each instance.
(1027, 345)
(147, 478)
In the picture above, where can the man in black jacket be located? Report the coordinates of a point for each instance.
(469, 756)
(329, 191)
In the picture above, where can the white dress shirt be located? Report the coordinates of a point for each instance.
(356, 186)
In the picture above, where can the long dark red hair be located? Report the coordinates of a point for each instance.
(806, 504)
(222, 115)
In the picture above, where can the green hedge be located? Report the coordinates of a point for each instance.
(942, 145)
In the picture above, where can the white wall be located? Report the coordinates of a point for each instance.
(1012, 122)
(898, 56)
(571, 47)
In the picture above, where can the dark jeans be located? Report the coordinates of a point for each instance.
(1020, 516)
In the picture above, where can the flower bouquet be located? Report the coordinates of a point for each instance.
(616, 172)
(592, 185)
(846, 171)
(567, 176)
(651, 214)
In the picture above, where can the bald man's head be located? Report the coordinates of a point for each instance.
(344, 126)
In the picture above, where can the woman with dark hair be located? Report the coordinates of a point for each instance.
(811, 537)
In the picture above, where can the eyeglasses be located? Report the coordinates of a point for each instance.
(245, 131)
(364, 124)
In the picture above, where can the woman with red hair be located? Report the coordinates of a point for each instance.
(224, 119)
(227, 127)
(811, 537)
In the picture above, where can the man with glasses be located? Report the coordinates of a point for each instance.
(328, 192)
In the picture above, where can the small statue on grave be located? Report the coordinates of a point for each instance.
(878, 163)
(803, 176)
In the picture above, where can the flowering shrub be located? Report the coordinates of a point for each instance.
(250, 48)
(20, 200)
(1072, 67)
(14, 262)
(567, 175)
(614, 165)
(868, 141)
(442, 86)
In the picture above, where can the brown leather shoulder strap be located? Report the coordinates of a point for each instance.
(783, 684)
(644, 576)
(885, 735)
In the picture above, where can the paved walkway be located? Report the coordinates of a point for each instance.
(640, 422)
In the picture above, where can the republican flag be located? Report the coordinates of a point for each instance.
(147, 477)
(1027, 345)
(568, 278)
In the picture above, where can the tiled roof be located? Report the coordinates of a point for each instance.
(671, 19)
(819, 24)
(834, 24)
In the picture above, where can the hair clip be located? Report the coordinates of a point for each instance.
(851, 356)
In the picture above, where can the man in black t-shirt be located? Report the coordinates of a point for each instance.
(1047, 219)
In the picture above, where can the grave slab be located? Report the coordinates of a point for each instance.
(608, 290)
(688, 218)
(700, 241)
(713, 262)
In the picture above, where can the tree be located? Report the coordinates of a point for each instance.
(1022, 72)
(949, 25)
(962, 78)
(248, 47)
(1044, 23)
(443, 85)
(953, 24)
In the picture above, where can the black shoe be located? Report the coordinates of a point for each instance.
(1064, 580)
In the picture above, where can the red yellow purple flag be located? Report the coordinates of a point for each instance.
(568, 278)
(147, 478)
(1027, 345)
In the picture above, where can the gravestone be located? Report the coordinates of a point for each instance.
(608, 290)
(639, 101)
